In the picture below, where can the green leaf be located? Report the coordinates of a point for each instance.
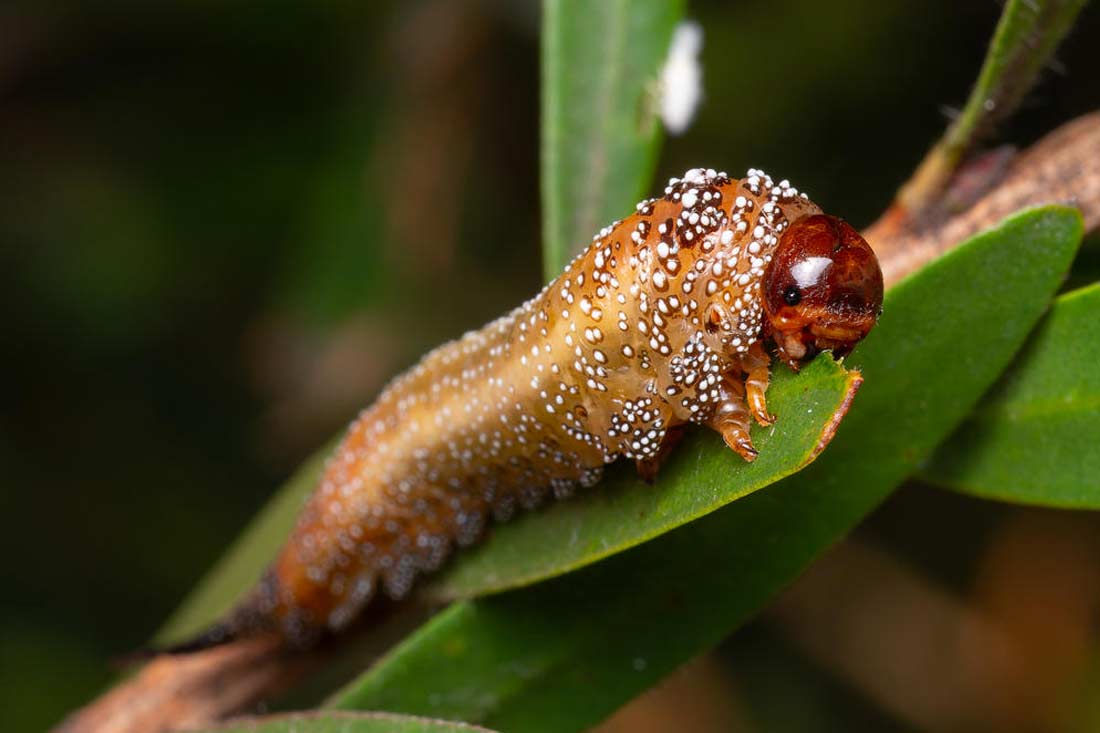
(1035, 438)
(600, 132)
(1027, 36)
(342, 723)
(563, 654)
(623, 511)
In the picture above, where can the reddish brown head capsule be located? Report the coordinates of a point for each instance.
(822, 289)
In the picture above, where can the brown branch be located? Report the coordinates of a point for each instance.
(200, 688)
(191, 689)
(1064, 167)
(184, 691)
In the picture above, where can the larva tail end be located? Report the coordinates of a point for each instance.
(252, 618)
(217, 635)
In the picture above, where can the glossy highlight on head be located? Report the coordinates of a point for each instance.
(822, 289)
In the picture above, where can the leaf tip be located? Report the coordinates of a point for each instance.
(854, 381)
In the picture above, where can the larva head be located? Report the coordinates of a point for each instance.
(822, 289)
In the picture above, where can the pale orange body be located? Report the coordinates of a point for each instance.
(659, 322)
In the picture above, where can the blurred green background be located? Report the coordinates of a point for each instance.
(223, 226)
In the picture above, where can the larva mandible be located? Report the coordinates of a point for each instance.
(662, 321)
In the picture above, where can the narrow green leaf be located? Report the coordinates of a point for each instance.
(563, 654)
(600, 133)
(623, 511)
(1035, 438)
(1027, 36)
(342, 723)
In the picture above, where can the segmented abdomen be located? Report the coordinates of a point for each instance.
(598, 366)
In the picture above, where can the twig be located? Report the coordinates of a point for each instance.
(1064, 167)
(192, 689)
(1027, 35)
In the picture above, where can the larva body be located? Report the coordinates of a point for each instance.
(661, 321)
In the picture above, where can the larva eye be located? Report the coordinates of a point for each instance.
(792, 295)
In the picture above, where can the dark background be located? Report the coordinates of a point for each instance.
(211, 257)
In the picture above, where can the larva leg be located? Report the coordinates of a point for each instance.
(648, 467)
(756, 363)
(732, 419)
